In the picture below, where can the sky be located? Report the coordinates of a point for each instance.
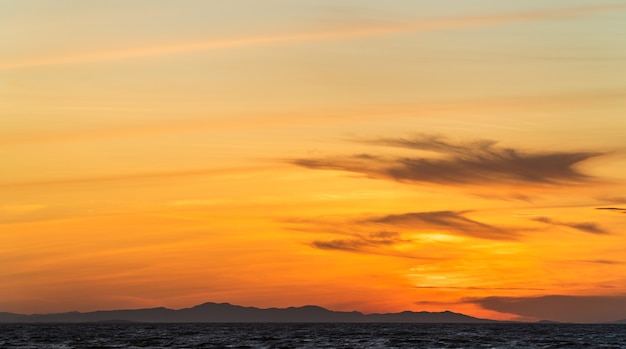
(376, 156)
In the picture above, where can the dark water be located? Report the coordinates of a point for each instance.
(107, 335)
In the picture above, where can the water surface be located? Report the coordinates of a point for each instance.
(272, 335)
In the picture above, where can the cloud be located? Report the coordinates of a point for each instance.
(614, 199)
(453, 222)
(618, 209)
(480, 162)
(26, 213)
(587, 227)
(383, 238)
(155, 175)
(381, 234)
(507, 197)
(582, 309)
(470, 288)
(603, 261)
(423, 26)
(373, 243)
(19, 209)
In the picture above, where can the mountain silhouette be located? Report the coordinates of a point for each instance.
(225, 312)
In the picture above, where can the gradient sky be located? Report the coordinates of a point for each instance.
(376, 156)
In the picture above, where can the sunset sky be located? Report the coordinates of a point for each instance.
(376, 156)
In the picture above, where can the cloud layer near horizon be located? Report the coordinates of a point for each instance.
(583, 309)
(479, 162)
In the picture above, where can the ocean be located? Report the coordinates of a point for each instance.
(327, 335)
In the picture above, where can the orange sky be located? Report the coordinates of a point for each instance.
(370, 156)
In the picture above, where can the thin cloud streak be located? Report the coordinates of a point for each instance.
(92, 57)
(451, 221)
(587, 227)
(470, 288)
(618, 209)
(379, 243)
(138, 176)
(313, 116)
(602, 261)
(382, 235)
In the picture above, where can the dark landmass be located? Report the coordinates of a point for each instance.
(548, 322)
(224, 312)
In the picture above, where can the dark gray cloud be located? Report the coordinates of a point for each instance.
(582, 309)
(587, 227)
(479, 162)
(450, 221)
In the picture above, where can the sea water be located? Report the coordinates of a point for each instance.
(330, 335)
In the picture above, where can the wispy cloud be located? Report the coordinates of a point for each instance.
(479, 162)
(471, 288)
(26, 213)
(587, 227)
(507, 197)
(313, 115)
(155, 175)
(382, 235)
(381, 243)
(423, 26)
(614, 199)
(582, 309)
(603, 261)
(618, 209)
(450, 221)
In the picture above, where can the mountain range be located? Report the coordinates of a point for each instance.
(224, 312)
